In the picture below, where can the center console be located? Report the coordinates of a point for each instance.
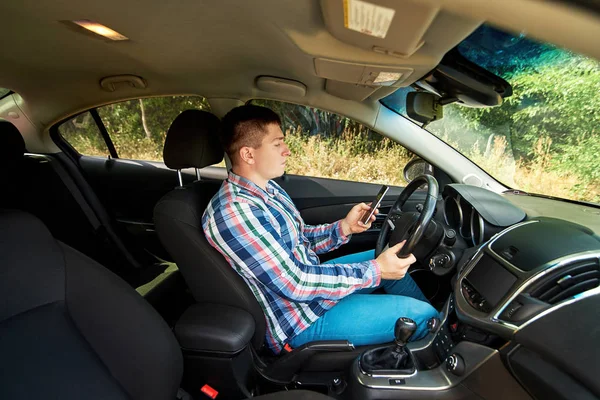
(522, 274)
(442, 360)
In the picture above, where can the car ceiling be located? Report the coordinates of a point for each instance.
(218, 48)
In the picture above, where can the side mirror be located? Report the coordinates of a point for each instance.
(415, 167)
(424, 107)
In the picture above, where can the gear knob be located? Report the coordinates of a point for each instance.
(403, 330)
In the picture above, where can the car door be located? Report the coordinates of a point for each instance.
(119, 150)
(336, 163)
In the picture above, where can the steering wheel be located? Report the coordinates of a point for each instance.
(400, 225)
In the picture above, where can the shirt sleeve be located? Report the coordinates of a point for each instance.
(324, 238)
(243, 234)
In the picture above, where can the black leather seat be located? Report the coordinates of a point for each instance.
(42, 185)
(71, 329)
(211, 279)
(192, 142)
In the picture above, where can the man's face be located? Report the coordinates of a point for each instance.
(270, 157)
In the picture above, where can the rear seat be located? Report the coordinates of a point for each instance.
(41, 185)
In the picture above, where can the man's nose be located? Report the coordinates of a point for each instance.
(286, 151)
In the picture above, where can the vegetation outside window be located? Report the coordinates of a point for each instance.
(543, 139)
(137, 128)
(328, 145)
(82, 133)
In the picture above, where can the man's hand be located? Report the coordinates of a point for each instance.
(393, 267)
(352, 224)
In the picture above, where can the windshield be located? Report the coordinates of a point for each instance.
(543, 139)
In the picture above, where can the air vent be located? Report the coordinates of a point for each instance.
(568, 282)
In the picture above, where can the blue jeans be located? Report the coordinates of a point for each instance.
(363, 318)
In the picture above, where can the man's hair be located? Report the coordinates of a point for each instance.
(245, 126)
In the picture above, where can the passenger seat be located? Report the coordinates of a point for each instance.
(41, 185)
(71, 329)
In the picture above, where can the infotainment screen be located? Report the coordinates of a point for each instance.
(490, 279)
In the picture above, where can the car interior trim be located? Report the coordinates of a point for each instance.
(477, 239)
(562, 263)
(492, 320)
(436, 379)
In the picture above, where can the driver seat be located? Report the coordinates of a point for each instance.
(192, 142)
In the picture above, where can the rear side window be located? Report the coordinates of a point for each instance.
(82, 133)
(136, 128)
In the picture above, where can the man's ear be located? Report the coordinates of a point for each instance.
(247, 155)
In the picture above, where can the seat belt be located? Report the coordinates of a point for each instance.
(72, 188)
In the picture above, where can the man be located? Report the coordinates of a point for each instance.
(255, 225)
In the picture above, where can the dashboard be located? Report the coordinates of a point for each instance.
(532, 281)
(526, 271)
(476, 214)
(515, 267)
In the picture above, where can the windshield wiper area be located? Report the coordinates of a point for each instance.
(517, 192)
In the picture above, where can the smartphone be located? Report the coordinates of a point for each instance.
(374, 204)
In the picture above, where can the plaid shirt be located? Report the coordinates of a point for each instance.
(263, 237)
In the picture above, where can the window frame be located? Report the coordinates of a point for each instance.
(71, 151)
(66, 147)
(291, 103)
(104, 132)
(6, 94)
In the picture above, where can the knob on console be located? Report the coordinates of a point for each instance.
(433, 324)
(450, 237)
(455, 364)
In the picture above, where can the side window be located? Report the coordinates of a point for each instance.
(328, 145)
(83, 134)
(136, 128)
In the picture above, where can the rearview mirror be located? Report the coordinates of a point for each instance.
(424, 107)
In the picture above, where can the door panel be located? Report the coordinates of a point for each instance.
(130, 189)
(558, 353)
(322, 200)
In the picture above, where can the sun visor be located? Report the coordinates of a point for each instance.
(392, 27)
(349, 91)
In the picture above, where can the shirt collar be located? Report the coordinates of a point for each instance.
(251, 186)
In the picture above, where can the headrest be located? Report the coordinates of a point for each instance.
(193, 141)
(12, 145)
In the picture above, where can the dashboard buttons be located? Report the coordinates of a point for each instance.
(397, 382)
(476, 300)
(455, 364)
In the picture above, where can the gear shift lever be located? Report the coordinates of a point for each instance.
(393, 358)
(403, 331)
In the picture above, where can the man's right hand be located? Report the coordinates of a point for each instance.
(393, 267)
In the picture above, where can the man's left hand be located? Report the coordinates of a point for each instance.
(352, 224)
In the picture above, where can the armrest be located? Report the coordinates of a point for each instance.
(214, 328)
